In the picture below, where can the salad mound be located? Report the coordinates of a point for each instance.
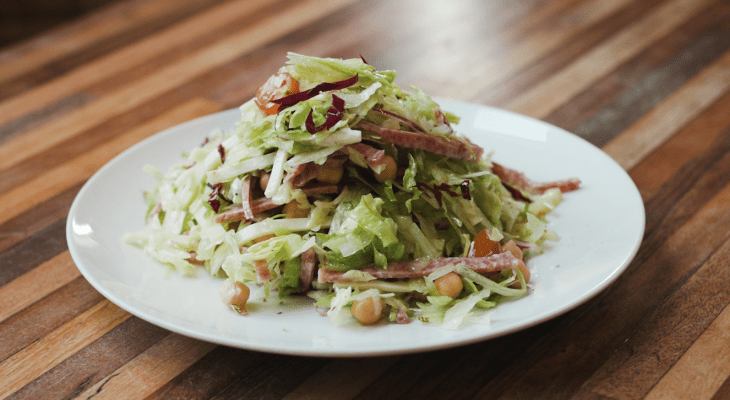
(338, 184)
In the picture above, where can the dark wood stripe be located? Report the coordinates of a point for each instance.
(34, 222)
(32, 251)
(636, 87)
(134, 32)
(44, 316)
(724, 391)
(95, 362)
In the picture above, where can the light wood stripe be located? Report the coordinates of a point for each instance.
(653, 129)
(594, 65)
(35, 191)
(126, 58)
(32, 361)
(703, 368)
(342, 379)
(35, 142)
(36, 284)
(150, 370)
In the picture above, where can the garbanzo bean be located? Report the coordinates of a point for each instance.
(264, 180)
(293, 210)
(449, 285)
(234, 295)
(331, 175)
(388, 173)
(368, 310)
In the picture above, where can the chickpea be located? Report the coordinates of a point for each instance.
(513, 248)
(293, 210)
(368, 310)
(388, 173)
(264, 180)
(449, 285)
(330, 174)
(235, 295)
(263, 238)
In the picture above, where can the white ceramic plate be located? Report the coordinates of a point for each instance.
(601, 227)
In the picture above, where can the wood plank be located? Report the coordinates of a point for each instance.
(597, 63)
(108, 67)
(29, 223)
(653, 129)
(20, 198)
(133, 32)
(41, 246)
(491, 63)
(150, 370)
(585, 29)
(342, 379)
(75, 36)
(94, 362)
(35, 142)
(32, 361)
(663, 338)
(634, 88)
(36, 284)
(691, 140)
(44, 316)
(702, 370)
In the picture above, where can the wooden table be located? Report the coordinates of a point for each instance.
(647, 81)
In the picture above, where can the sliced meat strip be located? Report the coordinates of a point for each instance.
(373, 157)
(262, 270)
(306, 277)
(302, 174)
(520, 181)
(459, 148)
(246, 198)
(264, 203)
(421, 268)
(401, 316)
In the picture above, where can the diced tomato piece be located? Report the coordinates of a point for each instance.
(483, 246)
(279, 85)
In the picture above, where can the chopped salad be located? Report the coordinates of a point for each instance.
(340, 185)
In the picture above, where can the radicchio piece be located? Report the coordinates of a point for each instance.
(295, 98)
(436, 190)
(405, 120)
(516, 194)
(222, 152)
(215, 196)
(334, 115)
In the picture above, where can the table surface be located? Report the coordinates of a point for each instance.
(647, 81)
